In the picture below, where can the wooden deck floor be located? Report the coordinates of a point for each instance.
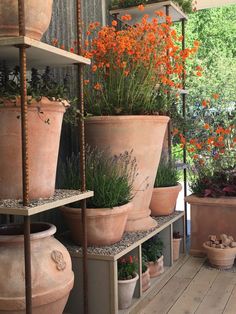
(195, 288)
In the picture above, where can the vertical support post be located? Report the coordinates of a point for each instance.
(184, 131)
(82, 158)
(25, 166)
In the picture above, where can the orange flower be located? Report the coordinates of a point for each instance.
(114, 23)
(175, 131)
(72, 50)
(204, 103)
(199, 73)
(159, 13)
(94, 68)
(196, 43)
(98, 86)
(215, 96)
(195, 156)
(141, 7)
(126, 17)
(206, 126)
(86, 82)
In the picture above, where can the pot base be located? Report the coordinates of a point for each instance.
(141, 224)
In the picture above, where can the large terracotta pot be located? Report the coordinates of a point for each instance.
(44, 125)
(210, 216)
(142, 134)
(157, 268)
(105, 226)
(37, 18)
(52, 276)
(164, 200)
(220, 258)
(126, 291)
(146, 283)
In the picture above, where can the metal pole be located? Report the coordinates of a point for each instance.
(25, 166)
(82, 159)
(184, 131)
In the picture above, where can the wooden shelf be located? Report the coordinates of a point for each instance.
(60, 198)
(174, 11)
(39, 54)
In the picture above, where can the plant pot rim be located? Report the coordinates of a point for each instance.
(177, 239)
(158, 260)
(94, 212)
(211, 201)
(127, 118)
(173, 187)
(129, 280)
(216, 249)
(146, 271)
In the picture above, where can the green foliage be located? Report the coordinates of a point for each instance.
(144, 263)
(39, 85)
(110, 177)
(167, 174)
(153, 248)
(127, 268)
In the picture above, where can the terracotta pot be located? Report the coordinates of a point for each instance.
(142, 134)
(52, 277)
(164, 200)
(44, 125)
(105, 225)
(157, 268)
(126, 291)
(37, 18)
(146, 280)
(210, 215)
(176, 248)
(220, 258)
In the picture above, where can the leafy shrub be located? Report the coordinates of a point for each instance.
(167, 174)
(127, 268)
(152, 249)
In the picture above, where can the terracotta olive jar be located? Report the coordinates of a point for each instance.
(52, 276)
(156, 268)
(144, 136)
(220, 258)
(164, 200)
(210, 215)
(44, 129)
(37, 18)
(105, 226)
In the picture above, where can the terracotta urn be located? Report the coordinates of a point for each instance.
(164, 200)
(210, 215)
(105, 226)
(146, 283)
(143, 135)
(156, 268)
(220, 258)
(44, 129)
(37, 18)
(52, 276)
(126, 291)
(176, 248)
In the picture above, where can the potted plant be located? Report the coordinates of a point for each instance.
(152, 249)
(166, 189)
(46, 106)
(212, 180)
(127, 279)
(220, 252)
(128, 98)
(37, 18)
(111, 180)
(145, 274)
(176, 241)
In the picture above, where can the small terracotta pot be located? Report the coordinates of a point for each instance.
(52, 276)
(146, 280)
(37, 18)
(157, 268)
(220, 258)
(105, 225)
(164, 200)
(176, 248)
(44, 129)
(126, 291)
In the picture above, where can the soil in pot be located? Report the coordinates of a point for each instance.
(52, 276)
(126, 291)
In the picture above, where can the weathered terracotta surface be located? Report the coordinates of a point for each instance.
(37, 18)
(210, 216)
(126, 291)
(176, 248)
(105, 225)
(142, 134)
(44, 125)
(52, 276)
(157, 268)
(164, 200)
(146, 280)
(220, 258)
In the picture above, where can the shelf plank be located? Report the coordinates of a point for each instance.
(60, 198)
(174, 11)
(39, 54)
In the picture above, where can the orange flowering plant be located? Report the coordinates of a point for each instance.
(127, 268)
(135, 67)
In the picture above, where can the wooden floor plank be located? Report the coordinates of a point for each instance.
(195, 292)
(231, 304)
(218, 295)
